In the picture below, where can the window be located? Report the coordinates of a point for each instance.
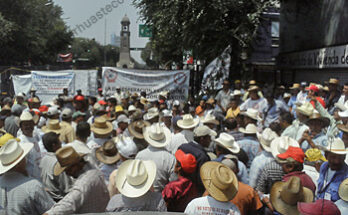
(275, 29)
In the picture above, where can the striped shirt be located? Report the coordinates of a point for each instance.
(271, 173)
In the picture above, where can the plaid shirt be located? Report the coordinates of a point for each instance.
(257, 166)
(271, 173)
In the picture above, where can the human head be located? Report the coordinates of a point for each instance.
(285, 119)
(27, 124)
(226, 84)
(336, 161)
(83, 130)
(69, 161)
(51, 141)
(202, 135)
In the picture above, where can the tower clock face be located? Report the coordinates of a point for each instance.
(125, 28)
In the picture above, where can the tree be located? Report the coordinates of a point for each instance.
(35, 32)
(205, 27)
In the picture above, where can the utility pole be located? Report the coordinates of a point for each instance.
(105, 43)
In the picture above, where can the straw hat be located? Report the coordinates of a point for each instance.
(107, 153)
(252, 113)
(343, 128)
(210, 101)
(316, 117)
(252, 82)
(134, 178)
(66, 156)
(227, 141)
(26, 116)
(6, 137)
(187, 122)
(343, 190)
(204, 130)
(295, 86)
(151, 113)
(126, 146)
(266, 138)
(314, 155)
(219, 180)
(131, 108)
(252, 88)
(144, 101)
(285, 196)
(101, 126)
(236, 93)
(5, 109)
(53, 126)
(12, 153)
(210, 119)
(136, 128)
(333, 81)
(337, 147)
(157, 136)
(280, 144)
(306, 109)
(286, 95)
(250, 129)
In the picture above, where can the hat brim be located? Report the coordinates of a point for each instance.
(58, 169)
(133, 132)
(26, 149)
(181, 125)
(212, 121)
(263, 142)
(341, 192)
(244, 131)
(103, 131)
(343, 128)
(45, 129)
(147, 117)
(216, 193)
(134, 191)
(281, 206)
(257, 118)
(324, 120)
(161, 143)
(274, 147)
(233, 150)
(104, 158)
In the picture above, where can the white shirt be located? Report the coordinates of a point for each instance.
(312, 172)
(249, 103)
(341, 100)
(342, 205)
(177, 140)
(301, 97)
(208, 205)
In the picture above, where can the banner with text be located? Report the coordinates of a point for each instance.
(152, 82)
(49, 83)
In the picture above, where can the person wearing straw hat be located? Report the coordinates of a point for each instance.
(56, 186)
(210, 121)
(136, 131)
(68, 133)
(320, 206)
(222, 185)
(166, 119)
(265, 138)
(109, 158)
(134, 179)
(122, 125)
(333, 172)
(89, 193)
(294, 89)
(254, 99)
(250, 143)
(29, 136)
(272, 171)
(11, 124)
(334, 94)
(177, 194)
(20, 194)
(342, 203)
(286, 195)
(158, 137)
(102, 130)
(152, 115)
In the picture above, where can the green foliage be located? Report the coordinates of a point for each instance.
(6, 29)
(206, 27)
(35, 32)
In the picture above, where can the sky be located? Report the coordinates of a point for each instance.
(78, 12)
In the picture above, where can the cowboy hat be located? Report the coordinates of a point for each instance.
(157, 136)
(266, 137)
(252, 113)
(144, 101)
(249, 129)
(131, 108)
(136, 128)
(219, 180)
(236, 93)
(53, 126)
(253, 88)
(12, 153)
(167, 113)
(314, 154)
(343, 190)
(134, 178)
(6, 137)
(227, 141)
(306, 109)
(66, 156)
(280, 144)
(126, 146)
(151, 113)
(107, 153)
(210, 119)
(26, 116)
(316, 117)
(343, 128)
(284, 196)
(333, 81)
(204, 130)
(188, 122)
(295, 86)
(343, 114)
(101, 126)
(286, 95)
(337, 147)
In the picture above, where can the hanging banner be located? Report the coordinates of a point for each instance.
(21, 83)
(51, 83)
(152, 82)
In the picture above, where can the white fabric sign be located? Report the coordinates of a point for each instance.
(51, 83)
(21, 83)
(152, 82)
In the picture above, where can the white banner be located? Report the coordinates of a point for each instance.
(21, 83)
(51, 83)
(152, 82)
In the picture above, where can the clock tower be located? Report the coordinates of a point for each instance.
(125, 58)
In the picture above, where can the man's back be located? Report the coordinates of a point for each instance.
(23, 195)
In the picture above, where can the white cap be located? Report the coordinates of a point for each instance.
(176, 103)
(203, 130)
(122, 118)
(167, 113)
(52, 111)
(66, 113)
(20, 95)
(132, 108)
(126, 147)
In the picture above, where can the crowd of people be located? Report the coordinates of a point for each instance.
(246, 150)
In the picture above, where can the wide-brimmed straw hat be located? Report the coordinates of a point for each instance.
(204, 130)
(126, 146)
(227, 141)
(343, 190)
(316, 117)
(281, 144)
(101, 126)
(253, 88)
(144, 101)
(136, 128)
(66, 156)
(26, 116)
(108, 153)
(219, 180)
(266, 137)
(285, 196)
(343, 128)
(12, 153)
(134, 178)
(210, 119)
(337, 147)
(151, 113)
(306, 109)
(252, 113)
(157, 136)
(53, 126)
(188, 122)
(333, 81)
(249, 129)
(295, 86)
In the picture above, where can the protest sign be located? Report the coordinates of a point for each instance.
(51, 83)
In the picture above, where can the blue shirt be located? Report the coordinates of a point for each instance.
(332, 185)
(251, 147)
(319, 140)
(257, 166)
(292, 104)
(271, 114)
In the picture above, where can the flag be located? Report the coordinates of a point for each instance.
(65, 58)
